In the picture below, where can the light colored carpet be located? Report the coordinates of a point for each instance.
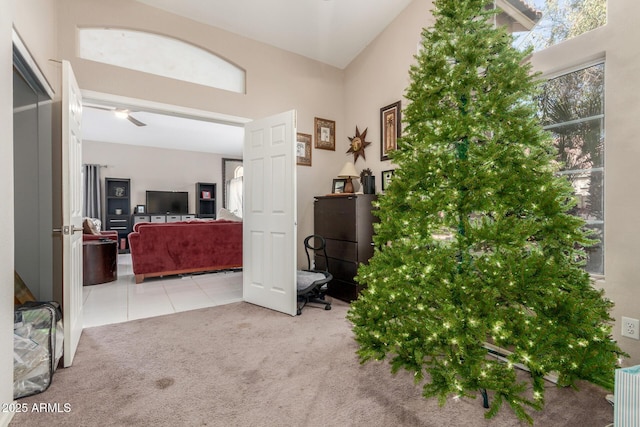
(243, 365)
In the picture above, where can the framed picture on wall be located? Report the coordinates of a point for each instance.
(387, 176)
(303, 149)
(325, 133)
(390, 128)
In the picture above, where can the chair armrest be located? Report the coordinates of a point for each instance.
(109, 234)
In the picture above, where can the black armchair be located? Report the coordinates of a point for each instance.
(313, 284)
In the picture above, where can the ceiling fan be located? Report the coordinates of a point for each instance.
(119, 112)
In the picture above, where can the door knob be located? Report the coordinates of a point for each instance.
(68, 229)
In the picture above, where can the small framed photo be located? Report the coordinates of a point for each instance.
(390, 128)
(325, 133)
(338, 185)
(206, 194)
(140, 209)
(387, 176)
(303, 149)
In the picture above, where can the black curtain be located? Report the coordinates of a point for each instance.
(92, 195)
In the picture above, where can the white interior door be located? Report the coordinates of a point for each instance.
(269, 221)
(71, 212)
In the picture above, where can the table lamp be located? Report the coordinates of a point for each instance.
(348, 171)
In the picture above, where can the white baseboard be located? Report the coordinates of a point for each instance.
(501, 354)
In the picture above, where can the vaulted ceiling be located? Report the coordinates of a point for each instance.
(330, 31)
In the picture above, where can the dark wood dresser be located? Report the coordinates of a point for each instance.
(346, 222)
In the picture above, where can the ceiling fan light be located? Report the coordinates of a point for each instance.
(121, 114)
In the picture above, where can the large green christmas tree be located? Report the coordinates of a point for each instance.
(475, 245)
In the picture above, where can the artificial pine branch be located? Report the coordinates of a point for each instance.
(475, 165)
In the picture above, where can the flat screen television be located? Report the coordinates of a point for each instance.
(167, 202)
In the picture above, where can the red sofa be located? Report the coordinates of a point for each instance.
(163, 249)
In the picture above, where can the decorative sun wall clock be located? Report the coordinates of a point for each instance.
(358, 144)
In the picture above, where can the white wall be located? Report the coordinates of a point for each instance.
(6, 214)
(155, 169)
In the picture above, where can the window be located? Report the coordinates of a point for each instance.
(561, 20)
(572, 109)
(160, 55)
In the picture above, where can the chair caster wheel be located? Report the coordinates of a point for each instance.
(327, 307)
(299, 312)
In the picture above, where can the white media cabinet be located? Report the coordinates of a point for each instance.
(162, 218)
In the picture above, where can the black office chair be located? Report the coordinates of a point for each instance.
(313, 284)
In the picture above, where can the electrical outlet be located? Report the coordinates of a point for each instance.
(630, 328)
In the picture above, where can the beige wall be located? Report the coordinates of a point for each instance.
(155, 168)
(378, 77)
(277, 81)
(6, 213)
(622, 149)
(622, 201)
(35, 22)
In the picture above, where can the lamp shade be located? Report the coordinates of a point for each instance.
(348, 171)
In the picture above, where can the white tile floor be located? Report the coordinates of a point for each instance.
(123, 300)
